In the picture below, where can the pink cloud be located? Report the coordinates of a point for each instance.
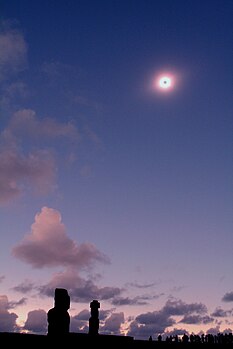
(35, 170)
(48, 245)
(16, 169)
(26, 122)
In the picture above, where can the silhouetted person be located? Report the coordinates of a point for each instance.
(94, 319)
(58, 317)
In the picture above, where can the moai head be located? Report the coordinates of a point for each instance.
(61, 299)
(95, 305)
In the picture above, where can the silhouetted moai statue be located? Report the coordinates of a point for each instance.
(94, 319)
(58, 317)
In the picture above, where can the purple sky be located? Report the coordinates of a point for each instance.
(109, 186)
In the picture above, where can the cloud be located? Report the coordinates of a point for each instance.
(7, 319)
(14, 304)
(24, 287)
(138, 300)
(178, 307)
(26, 123)
(83, 315)
(21, 170)
(80, 322)
(88, 290)
(118, 301)
(2, 277)
(17, 170)
(48, 245)
(228, 297)
(156, 322)
(113, 324)
(196, 319)
(175, 332)
(13, 93)
(36, 321)
(151, 323)
(137, 285)
(13, 50)
(219, 312)
(86, 102)
(81, 290)
(213, 330)
(141, 331)
(93, 137)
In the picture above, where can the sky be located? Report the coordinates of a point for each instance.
(113, 184)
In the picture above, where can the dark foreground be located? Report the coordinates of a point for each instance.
(80, 340)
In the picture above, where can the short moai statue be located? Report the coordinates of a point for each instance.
(58, 317)
(94, 319)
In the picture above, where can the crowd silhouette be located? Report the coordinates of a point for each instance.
(220, 338)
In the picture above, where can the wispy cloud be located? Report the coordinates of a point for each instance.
(24, 287)
(14, 304)
(12, 93)
(219, 312)
(13, 50)
(138, 300)
(16, 169)
(26, 123)
(20, 169)
(137, 285)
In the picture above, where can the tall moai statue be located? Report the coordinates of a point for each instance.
(94, 319)
(58, 317)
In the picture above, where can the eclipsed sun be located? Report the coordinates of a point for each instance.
(165, 82)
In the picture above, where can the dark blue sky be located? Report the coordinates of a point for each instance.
(144, 175)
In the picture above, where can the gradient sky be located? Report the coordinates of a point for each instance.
(109, 186)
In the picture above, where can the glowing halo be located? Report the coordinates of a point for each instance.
(165, 82)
